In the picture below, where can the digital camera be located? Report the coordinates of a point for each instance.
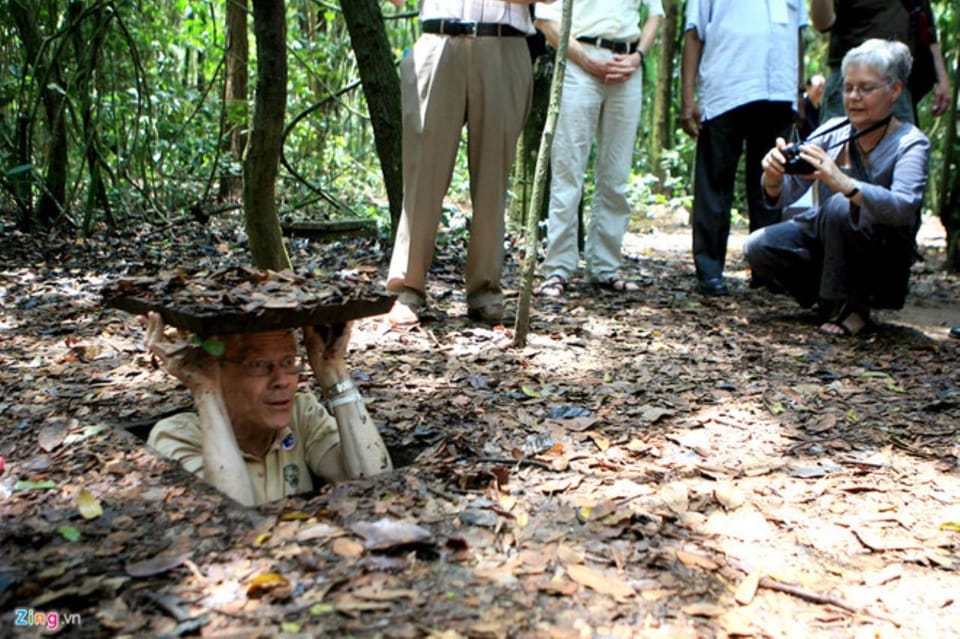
(795, 165)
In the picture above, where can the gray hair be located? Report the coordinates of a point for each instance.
(890, 58)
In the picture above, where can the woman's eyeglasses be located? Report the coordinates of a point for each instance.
(864, 90)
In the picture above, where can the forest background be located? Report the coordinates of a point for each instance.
(673, 466)
(122, 114)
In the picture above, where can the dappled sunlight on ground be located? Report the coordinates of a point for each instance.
(654, 465)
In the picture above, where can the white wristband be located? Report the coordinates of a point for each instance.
(341, 400)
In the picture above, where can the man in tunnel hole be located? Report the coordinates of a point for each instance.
(253, 435)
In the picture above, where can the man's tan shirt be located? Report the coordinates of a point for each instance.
(283, 471)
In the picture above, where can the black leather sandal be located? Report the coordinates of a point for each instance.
(850, 321)
(553, 286)
(620, 285)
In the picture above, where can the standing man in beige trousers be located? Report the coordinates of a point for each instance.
(470, 66)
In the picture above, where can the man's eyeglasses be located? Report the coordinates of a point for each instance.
(289, 365)
(864, 89)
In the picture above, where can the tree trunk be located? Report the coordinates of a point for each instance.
(529, 142)
(661, 136)
(949, 200)
(381, 87)
(48, 75)
(520, 199)
(55, 192)
(233, 134)
(531, 236)
(314, 27)
(266, 136)
(88, 30)
(22, 191)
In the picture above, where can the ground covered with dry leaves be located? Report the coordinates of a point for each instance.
(660, 465)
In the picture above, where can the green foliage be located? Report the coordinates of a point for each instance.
(156, 108)
(156, 99)
(212, 346)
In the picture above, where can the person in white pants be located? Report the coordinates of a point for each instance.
(602, 92)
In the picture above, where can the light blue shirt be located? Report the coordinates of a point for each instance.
(749, 51)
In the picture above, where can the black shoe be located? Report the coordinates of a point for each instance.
(955, 332)
(713, 286)
(768, 283)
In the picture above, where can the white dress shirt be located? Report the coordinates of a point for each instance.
(516, 15)
(610, 19)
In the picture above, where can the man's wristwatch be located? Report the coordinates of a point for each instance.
(340, 387)
(854, 190)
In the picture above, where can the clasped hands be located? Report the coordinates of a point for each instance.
(614, 70)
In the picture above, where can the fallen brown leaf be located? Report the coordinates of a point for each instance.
(389, 533)
(602, 583)
(156, 565)
(558, 585)
(878, 541)
(674, 496)
(704, 609)
(346, 547)
(729, 496)
(692, 560)
(268, 582)
(113, 613)
(747, 589)
(375, 593)
(560, 485)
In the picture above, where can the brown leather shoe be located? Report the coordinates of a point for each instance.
(406, 309)
(488, 313)
(403, 315)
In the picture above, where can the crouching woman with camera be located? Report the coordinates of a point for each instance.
(853, 250)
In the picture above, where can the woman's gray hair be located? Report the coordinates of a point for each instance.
(890, 58)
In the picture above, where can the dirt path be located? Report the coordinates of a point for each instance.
(932, 311)
(661, 466)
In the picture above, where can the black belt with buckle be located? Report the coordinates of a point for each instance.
(472, 29)
(613, 45)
